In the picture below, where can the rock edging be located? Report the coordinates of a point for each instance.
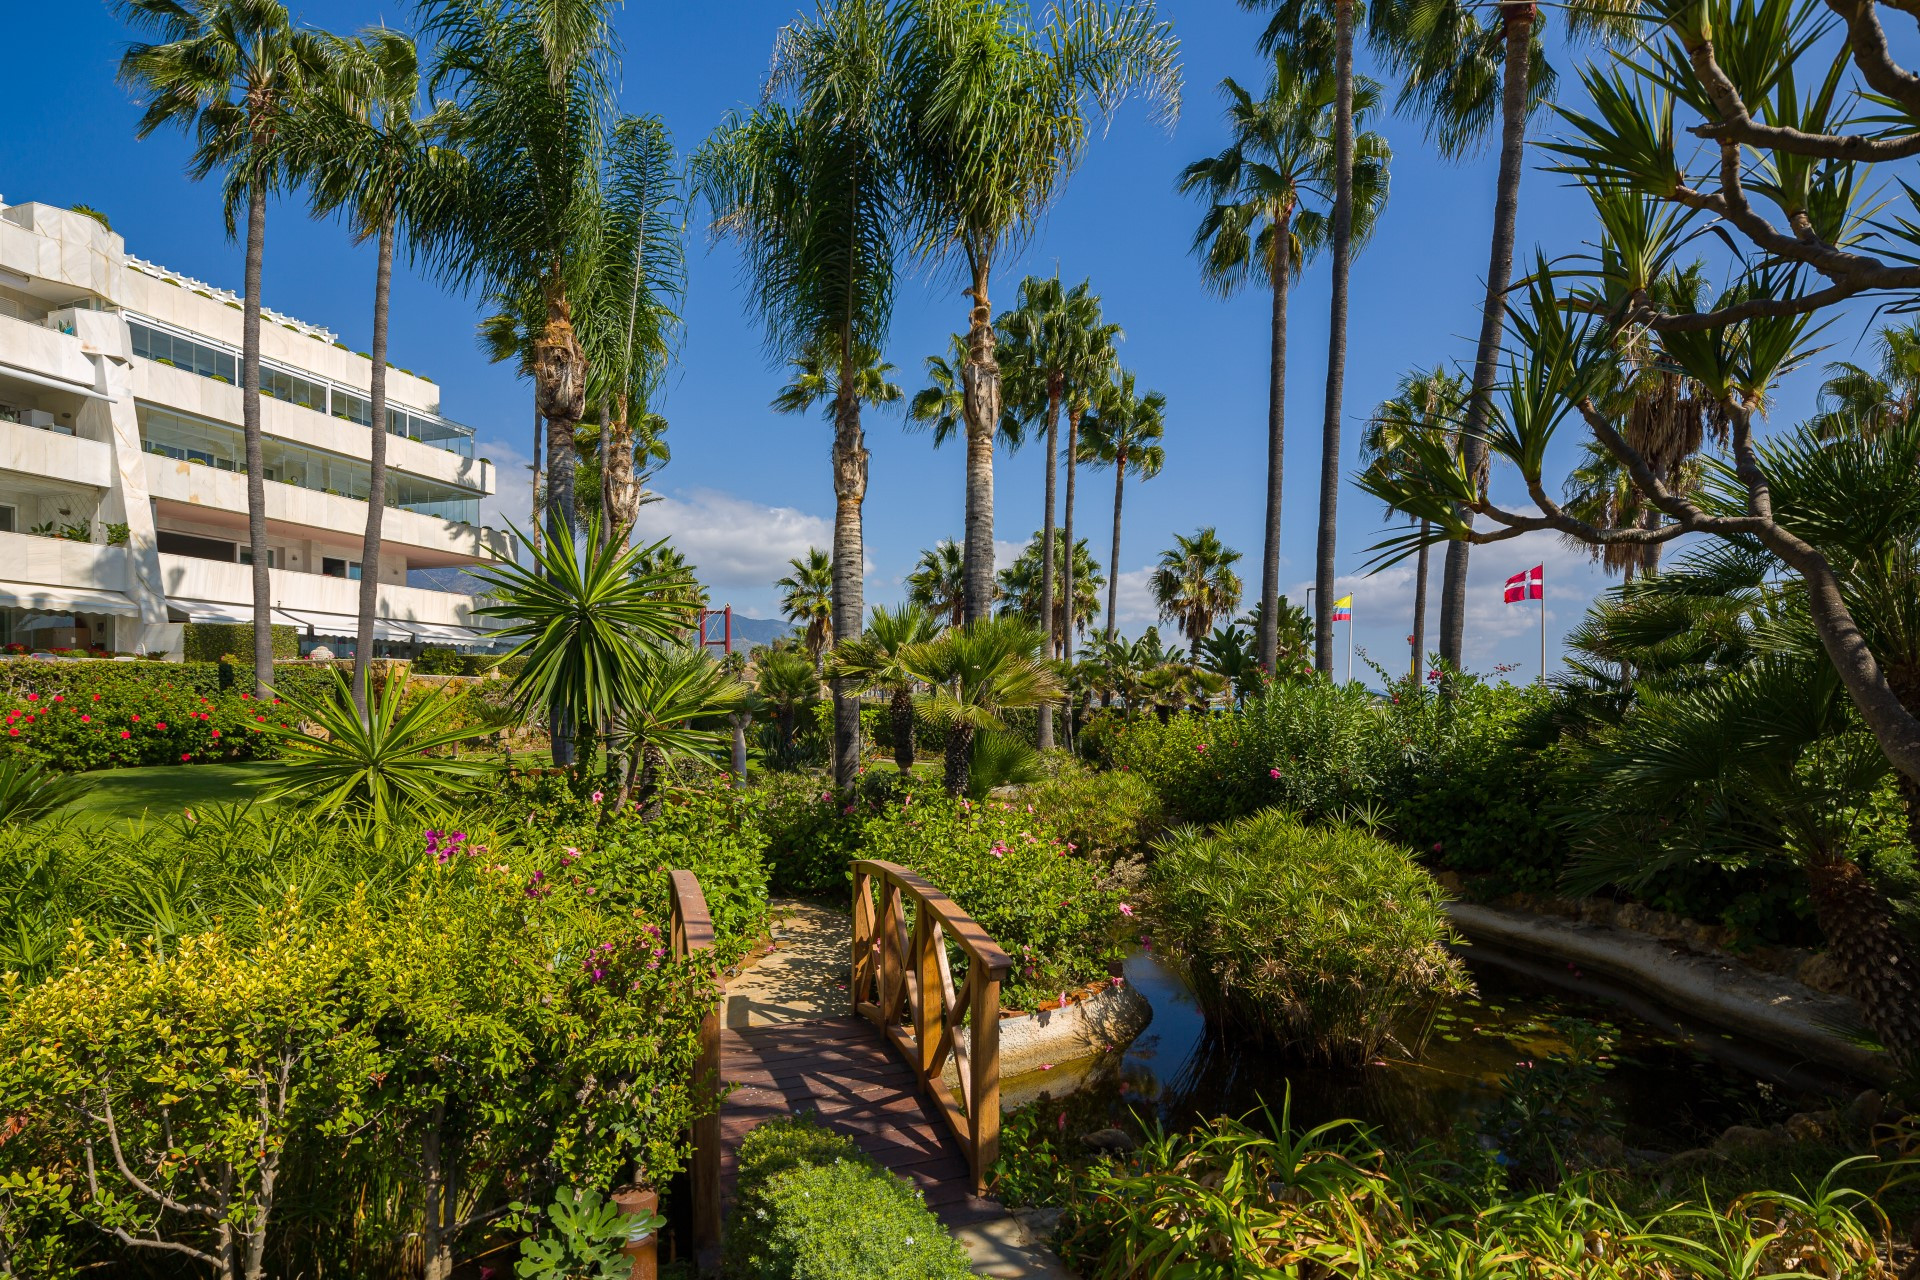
(1778, 1011)
(1107, 1017)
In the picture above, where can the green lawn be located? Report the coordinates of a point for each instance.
(167, 789)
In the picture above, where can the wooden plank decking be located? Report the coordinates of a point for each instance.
(840, 1069)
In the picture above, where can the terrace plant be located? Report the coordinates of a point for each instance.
(1325, 942)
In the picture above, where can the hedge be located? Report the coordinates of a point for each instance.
(211, 641)
(811, 1206)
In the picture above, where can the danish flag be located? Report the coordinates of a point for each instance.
(1530, 585)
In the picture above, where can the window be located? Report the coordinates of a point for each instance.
(335, 568)
(245, 556)
(187, 544)
(183, 353)
(293, 388)
(9, 519)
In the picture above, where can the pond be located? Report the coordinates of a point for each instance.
(1672, 1085)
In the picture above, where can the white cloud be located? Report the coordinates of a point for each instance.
(1133, 606)
(737, 545)
(1005, 553)
(511, 503)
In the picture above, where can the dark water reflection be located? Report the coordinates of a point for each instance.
(1673, 1086)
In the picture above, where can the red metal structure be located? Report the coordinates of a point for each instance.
(726, 631)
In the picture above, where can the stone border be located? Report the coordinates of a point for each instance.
(1778, 1012)
(1105, 1016)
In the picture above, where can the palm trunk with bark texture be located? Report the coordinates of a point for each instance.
(1506, 209)
(901, 710)
(1066, 569)
(1047, 597)
(377, 483)
(533, 499)
(1419, 644)
(619, 491)
(849, 558)
(1113, 575)
(250, 426)
(1268, 641)
(959, 758)
(1875, 956)
(559, 377)
(1328, 541)
(980, 405)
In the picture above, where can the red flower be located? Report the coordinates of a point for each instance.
(13, 733)
(162, 726)
(86, 719)
(184, 755)
(96, 697)
(216, 733)
(135, 719)
(33, 697)
(126, 733)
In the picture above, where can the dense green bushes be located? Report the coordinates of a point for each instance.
(812, 1207)
(1324, 940)
(211, 641)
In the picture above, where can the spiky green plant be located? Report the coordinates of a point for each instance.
(30, 790)
(975, 672)
(878, 660)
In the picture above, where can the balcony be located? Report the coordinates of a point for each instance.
(52, 455)
(45, 356)
(188, 578)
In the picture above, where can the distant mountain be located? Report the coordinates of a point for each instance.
(445, 579)
(748, 632)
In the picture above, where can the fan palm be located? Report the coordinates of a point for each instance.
(382, 761)
(877, 660)
(1234, 654)
(586, 618)
(1425, 406)
(227, 71)
(1260, 226)
(533, 80)
(1124, 433)
(1854, 399)
(998, 115)
(361, 142)
(812, 190)
(678, 687)
(975, 672)
(938, 582)
(806, 598)
(1194, 584)
(1022, 592)
(629, 319)
(786, 683)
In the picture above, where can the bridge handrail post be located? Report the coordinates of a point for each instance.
(691, 932)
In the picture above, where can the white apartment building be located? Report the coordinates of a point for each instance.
(123, 502)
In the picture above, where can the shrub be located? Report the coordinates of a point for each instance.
(813, 837)
(211, 641)
(812, 1207)
(1325, 941)
(1105, 815)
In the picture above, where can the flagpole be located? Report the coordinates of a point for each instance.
(1543, 626)
(1349, 644)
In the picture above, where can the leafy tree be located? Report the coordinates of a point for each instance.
(1426, 405)
(997, 117)
(1259, 224)
(228, 72)
(1855, 399)
(586, 618)
(1023, 594)
(806, 598)
(360, 140)
(1124, 432)
(877, 659)
(938, 582)
(812, 188)
(1194, 583)
(973, 673)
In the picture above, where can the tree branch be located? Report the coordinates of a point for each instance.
(1869, 49)
(159, 1197)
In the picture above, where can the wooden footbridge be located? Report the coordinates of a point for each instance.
(909, 1070)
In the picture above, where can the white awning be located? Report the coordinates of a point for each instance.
(433, 631)
(213, 610)
(343, 625)
(45, 599)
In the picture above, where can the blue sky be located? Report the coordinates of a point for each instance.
(747, 488)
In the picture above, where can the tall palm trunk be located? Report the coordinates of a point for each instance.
(1336, 336)
(1269, 638)
(559, 380)
(377, 485)
(250, 420)
(1113, 577)
(1047, 598)
(533, 499)
(1419, 645)
(1518, 20)
(849, 558)
(980, 405)
(619, 494)
(1066, 570)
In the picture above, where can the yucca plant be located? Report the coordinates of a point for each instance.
(30, 791)
(384, 766)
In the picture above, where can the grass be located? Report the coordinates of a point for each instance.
(127, 793)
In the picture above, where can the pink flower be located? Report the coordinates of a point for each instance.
(33, 697)
(597, 797)
(162, 726)
(1201, 747)
(1273, 773)
(125, 733)
(1117, 980)
(1126, 909)
(86, 719)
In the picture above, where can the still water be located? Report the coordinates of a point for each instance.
(1673, 1085)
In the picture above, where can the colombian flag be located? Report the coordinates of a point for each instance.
(1343, 609)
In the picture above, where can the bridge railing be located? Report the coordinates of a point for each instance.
(902, 981)
(691, 932)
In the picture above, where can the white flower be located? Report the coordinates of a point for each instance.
(909, 1240)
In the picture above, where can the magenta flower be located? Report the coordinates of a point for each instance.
(1126, 909)
(597, 797)
(1273, 773)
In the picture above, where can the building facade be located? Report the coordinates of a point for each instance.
(123, 495)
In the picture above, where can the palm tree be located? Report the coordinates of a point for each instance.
(1023, 594)
(806, 598)
(227, 71)
(630, 325)
(998, 116)
(975, 672)
(812, 192)
(678, 688)
(1425, 406)
(587, 620)
(938, 583)
(1053, 336)
(1258, 226)
(877, 660)
(358, 139)
(786, 684)
(1124, 433)
(1855, 400)
(1194, 584)
(1092, 373)
(533, 80)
